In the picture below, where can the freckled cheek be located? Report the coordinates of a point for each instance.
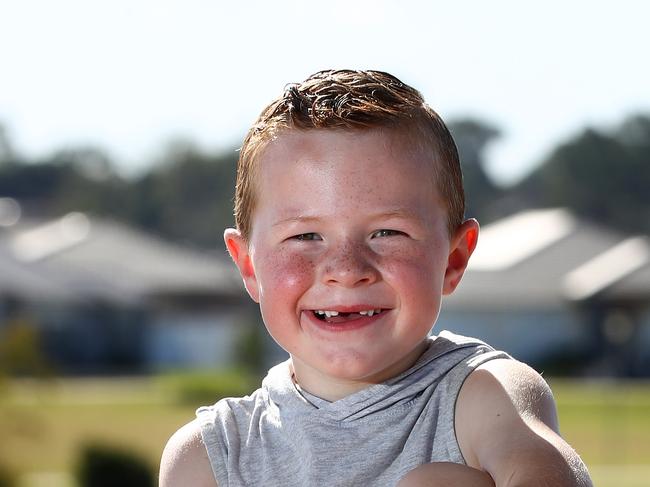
(286, 273)
(415, 268)
(283, 278)
(418, 283)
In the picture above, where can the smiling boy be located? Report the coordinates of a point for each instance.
(349, 211)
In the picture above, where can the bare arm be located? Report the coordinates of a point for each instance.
(446, 475)
(506, 424)
(185, 460)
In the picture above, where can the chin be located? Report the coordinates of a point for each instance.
(357, 371)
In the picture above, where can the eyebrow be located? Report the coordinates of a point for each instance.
(396, 213)
(401, 213)
(296, 219)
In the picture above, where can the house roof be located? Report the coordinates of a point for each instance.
(104, 259)
(17, 279)
(538, 259)
(616, 266)
(633, 288)
(545, 258)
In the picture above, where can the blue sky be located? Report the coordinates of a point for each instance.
(128, 76)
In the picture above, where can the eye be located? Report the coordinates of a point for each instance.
(385, 232)
(307, 237)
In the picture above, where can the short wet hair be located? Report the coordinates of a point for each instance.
(352, 100)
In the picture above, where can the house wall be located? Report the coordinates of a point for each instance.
(97, 338)
(189, 339)
(531, 336)
(641, 346)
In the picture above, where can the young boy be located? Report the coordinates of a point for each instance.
(349, 212)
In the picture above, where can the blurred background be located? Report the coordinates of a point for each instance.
(119, 128)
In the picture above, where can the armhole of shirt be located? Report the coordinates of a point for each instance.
(209, 421)
(453, 382)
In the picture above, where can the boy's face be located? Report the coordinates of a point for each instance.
(350, 223)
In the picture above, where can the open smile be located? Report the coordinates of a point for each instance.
(333, 316)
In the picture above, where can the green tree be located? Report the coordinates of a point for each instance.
(188, 195)
(602, 176)
(81, 179)
(472, 138)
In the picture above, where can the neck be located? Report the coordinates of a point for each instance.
(334, 388)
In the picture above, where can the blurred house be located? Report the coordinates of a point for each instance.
(557, 292)
(109, 298)
(554, 291)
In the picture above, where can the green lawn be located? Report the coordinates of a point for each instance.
(609, 425)
(43, 425)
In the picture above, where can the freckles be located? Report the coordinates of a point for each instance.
(402, 256)
(289, 271)
(402, 262)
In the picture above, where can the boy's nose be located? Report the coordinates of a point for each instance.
(349, 266)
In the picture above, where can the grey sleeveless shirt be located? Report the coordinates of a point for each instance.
(282, 436)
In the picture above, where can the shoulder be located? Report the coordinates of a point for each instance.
(185, 460)
(506, 424)
(503, 386)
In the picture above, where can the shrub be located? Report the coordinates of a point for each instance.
(20, 349)
(109, 466)
(7, 478)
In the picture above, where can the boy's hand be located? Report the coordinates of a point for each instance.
(506, 424)
(446, 475)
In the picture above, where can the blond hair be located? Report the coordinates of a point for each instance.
(352, 100)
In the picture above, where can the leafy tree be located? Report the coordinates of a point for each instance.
(70, 180)
(472, 138)
(599, 175)
(188, 195)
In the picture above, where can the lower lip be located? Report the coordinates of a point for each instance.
(351, 325)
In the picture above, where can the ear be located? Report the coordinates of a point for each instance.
(238, 248)
(462, 245)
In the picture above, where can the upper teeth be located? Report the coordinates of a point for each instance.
(370, 312)
(329, 314)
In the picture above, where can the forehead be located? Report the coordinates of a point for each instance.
(348, 149)
(343, 170)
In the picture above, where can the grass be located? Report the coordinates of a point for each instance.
(42, 425)
(608, 423)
